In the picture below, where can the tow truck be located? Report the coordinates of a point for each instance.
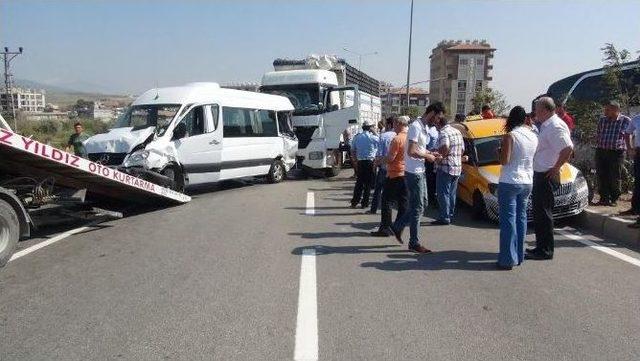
(41, 185)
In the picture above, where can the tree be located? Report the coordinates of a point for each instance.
(493, 98)
(618, 85)
(412, 112)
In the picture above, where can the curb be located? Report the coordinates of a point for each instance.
(609, 226)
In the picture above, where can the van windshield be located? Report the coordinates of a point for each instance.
(487, 150)
(148, 115)
(304, 97)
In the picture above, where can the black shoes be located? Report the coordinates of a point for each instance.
(382, 233)
(537, 256)
(440, 222)
(398, 235)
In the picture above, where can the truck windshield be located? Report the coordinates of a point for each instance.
(149, 115)
(305, 98)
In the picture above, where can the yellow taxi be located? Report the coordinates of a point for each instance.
(478, 184)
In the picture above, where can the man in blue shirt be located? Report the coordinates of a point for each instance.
(383, 148)
(364, 149)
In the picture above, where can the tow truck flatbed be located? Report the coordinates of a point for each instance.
(27, 157)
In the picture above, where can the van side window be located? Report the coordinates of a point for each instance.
(242, 122)
(194, 121)
(265, 124)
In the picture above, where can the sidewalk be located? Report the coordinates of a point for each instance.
(607, 223)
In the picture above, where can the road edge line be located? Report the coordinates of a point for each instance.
(604, 249)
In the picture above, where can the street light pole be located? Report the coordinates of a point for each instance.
(359, 56)
(409, 58)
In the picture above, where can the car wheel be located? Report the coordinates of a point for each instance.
(175, 174)
(277, 172)
(479, 208)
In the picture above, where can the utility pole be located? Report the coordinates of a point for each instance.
(409, 58)
(7, 56)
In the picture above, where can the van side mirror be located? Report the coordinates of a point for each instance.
(180, 131)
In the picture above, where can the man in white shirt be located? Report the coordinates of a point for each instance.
(415, 155)
(554, 150)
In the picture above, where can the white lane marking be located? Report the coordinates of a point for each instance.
(607, 250)
(310, 211)
(51, 240)
(307, 323)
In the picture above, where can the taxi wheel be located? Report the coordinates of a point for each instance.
(479, 207)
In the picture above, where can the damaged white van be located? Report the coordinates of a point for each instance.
(200, 133)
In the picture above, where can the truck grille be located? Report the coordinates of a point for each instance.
(304, 135)
(108, 158)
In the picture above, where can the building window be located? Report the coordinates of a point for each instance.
(464, 62)
(460, 108)
(478, 85)
(462, 96)
(462, 85)
(480, 62)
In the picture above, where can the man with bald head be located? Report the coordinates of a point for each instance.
(554, 150)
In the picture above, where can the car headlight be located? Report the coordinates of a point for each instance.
(316, 155)
(136, 158)
(493, 189)
(580, 181)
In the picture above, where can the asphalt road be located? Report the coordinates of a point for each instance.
(218, 279)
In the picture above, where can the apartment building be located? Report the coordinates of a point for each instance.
(395, 99)
(458, 70)
(26, 100)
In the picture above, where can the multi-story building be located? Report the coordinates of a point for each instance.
(458, 70)
(394, 100)
(26, 100)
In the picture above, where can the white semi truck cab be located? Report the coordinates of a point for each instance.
(329, 97)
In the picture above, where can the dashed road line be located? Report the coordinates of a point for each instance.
(596, 246)
(310, 211)
(306, 347)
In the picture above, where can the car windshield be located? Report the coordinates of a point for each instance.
(149, 115)
(305, 98)
(487, 150)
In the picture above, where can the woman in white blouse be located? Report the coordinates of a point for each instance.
(516, 179)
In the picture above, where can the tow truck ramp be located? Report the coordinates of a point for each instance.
(27, 157)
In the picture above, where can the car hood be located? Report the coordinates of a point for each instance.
(491, 173)
(117, 140)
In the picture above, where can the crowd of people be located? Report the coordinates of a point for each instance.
(419, 163)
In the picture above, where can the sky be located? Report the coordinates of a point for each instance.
(130, 46)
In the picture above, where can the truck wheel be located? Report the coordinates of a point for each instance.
(277, 172)
(9, 232)
(479, 208)
(174, 173)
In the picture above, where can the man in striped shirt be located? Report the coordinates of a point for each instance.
(611, 146)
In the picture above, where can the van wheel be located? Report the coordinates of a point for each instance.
(277, 172)
(479, 208)
(175, 174)
(9, 232)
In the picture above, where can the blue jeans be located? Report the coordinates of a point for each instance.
(380, 178)
(512, 202)
(446, 187)
(416, 187)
